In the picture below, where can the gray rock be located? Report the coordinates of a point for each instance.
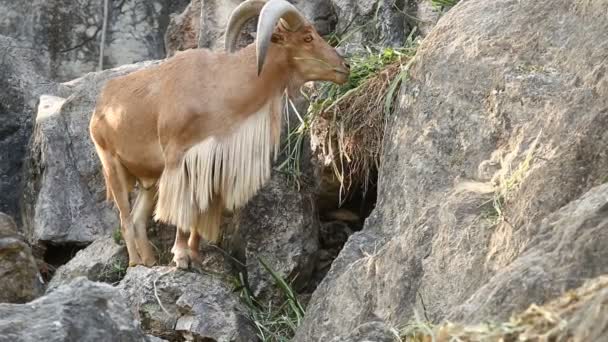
(280, 226)
(152, 338)
(377, 23)
(382, 23)
(426, 17)
(68, 33)
(588, 320)
(320, 13)
(64, 195)
(7, 225)
(104, 260)
(567, 248)
(213, 20)
(20, 280)
(505, 101)
(80, 311)
(184, 29)
(371, 332)
(198, 306)
(21, 86)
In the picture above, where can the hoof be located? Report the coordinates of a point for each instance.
(181, 258)
(196, 264)
(134, 263)
(149, 262)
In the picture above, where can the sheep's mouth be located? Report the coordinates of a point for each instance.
(342, 71)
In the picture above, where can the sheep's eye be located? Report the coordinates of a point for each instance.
(308, 39)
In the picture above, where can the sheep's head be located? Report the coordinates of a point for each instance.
(282, 24)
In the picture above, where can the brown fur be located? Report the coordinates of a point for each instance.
(146, 122)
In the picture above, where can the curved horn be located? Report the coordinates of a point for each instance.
(240, 15)
(274, 10)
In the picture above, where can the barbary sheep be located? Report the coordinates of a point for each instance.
(199, 131)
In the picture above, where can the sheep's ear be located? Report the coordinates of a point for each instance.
(277, 38)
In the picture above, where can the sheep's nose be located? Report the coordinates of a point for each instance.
(346, 65)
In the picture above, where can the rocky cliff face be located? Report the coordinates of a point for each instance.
(22, 83)
(491, 191)
(68, 32)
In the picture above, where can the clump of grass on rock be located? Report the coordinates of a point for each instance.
(347, 121)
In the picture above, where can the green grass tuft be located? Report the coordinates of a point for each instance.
(117, 236)
(274, 322)
(355, 114)
(441, 4)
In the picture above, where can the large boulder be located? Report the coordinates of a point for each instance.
(490, 195)
(64, 195)
(21, 281)
(179, 305)
(104, 260)
(68, 32)
(80, 311)
(279, 227)
(21, 83)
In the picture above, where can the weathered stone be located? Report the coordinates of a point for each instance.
(7, 225)
(489, 195)
(68, 32)
(426, 16)
(371, 332)
(184, 29)
(104, 260)
(566, 248)
(19, 277)
(382, 23)
(64, 196)
(580, 314)
(21, 86)
(279, 226)
(80, 311)
(198, 306)
(378, 23)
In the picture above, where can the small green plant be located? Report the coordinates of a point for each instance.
(114, 272)
(119, 269)
(117, 236)
(441, 4)
(274, 323)
(417, 332)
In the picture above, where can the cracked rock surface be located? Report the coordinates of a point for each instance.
(175, 304)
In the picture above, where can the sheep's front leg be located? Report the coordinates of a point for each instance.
(180, 250)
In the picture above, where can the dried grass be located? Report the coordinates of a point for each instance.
(351, 131)
(348, 122)
(558, 320)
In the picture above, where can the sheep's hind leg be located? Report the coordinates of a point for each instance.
(142, 210)
(121, 182)
(193, 245)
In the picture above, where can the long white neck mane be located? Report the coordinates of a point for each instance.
(229, 168)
